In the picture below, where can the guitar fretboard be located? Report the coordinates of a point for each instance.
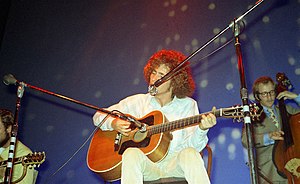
(16, 161)
(177, 124)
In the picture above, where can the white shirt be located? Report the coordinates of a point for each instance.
(140, 105)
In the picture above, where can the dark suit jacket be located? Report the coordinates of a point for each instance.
(264, 153)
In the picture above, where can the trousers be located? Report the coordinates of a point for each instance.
(188, 163)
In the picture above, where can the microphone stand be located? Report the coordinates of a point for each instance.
(10, 79)
(246, 112)
(124, 117)
(13, 138)
(152, 88)
(243, 92)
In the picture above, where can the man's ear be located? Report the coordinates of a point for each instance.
(9, 128)
(256, 97)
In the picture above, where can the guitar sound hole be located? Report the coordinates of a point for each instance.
(131, 144)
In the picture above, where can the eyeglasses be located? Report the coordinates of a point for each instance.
(265, 94)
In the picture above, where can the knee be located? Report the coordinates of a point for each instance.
(189, 151)
(190, 155)
(131, 154)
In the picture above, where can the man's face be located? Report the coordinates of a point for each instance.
(267, 94)
(4, 135)
(159, 73)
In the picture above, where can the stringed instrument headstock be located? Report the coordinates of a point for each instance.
(283, 83)
(34, 159)
(237, 112)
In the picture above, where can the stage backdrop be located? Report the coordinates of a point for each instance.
(94, 51)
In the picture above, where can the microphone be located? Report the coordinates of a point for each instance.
(152, 90)
(10, 79)
(140, 125)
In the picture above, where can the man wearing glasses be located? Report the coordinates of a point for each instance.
(269, 129)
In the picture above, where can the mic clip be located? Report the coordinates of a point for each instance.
(139, 124)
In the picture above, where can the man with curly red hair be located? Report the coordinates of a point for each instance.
(174, 100)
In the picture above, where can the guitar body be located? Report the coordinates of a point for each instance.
(287, 159)
(286, 153)
(106, 161)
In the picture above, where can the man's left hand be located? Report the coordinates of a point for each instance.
(208, 121)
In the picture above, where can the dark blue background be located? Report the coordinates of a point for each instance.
(95, 51)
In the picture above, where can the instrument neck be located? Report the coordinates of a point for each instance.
(288, 138)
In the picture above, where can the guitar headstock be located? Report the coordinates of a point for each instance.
(237, 112)
(283, 82)
(34, 159)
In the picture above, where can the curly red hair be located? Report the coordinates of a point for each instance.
(183, 83)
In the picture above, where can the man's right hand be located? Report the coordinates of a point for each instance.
(276, 135)
(121, 126)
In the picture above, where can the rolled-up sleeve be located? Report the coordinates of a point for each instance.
(131, 105)
(99, 117)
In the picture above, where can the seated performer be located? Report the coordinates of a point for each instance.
(174, 100)
(6, 123)
(265, 133)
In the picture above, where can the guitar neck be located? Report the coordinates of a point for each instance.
(181, 123)
(16, 161)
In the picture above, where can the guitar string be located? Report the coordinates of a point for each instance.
(75, 153)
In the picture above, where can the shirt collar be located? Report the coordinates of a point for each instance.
(155, 104)
(266, 109)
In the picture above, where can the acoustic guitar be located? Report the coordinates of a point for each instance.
(106, 148)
